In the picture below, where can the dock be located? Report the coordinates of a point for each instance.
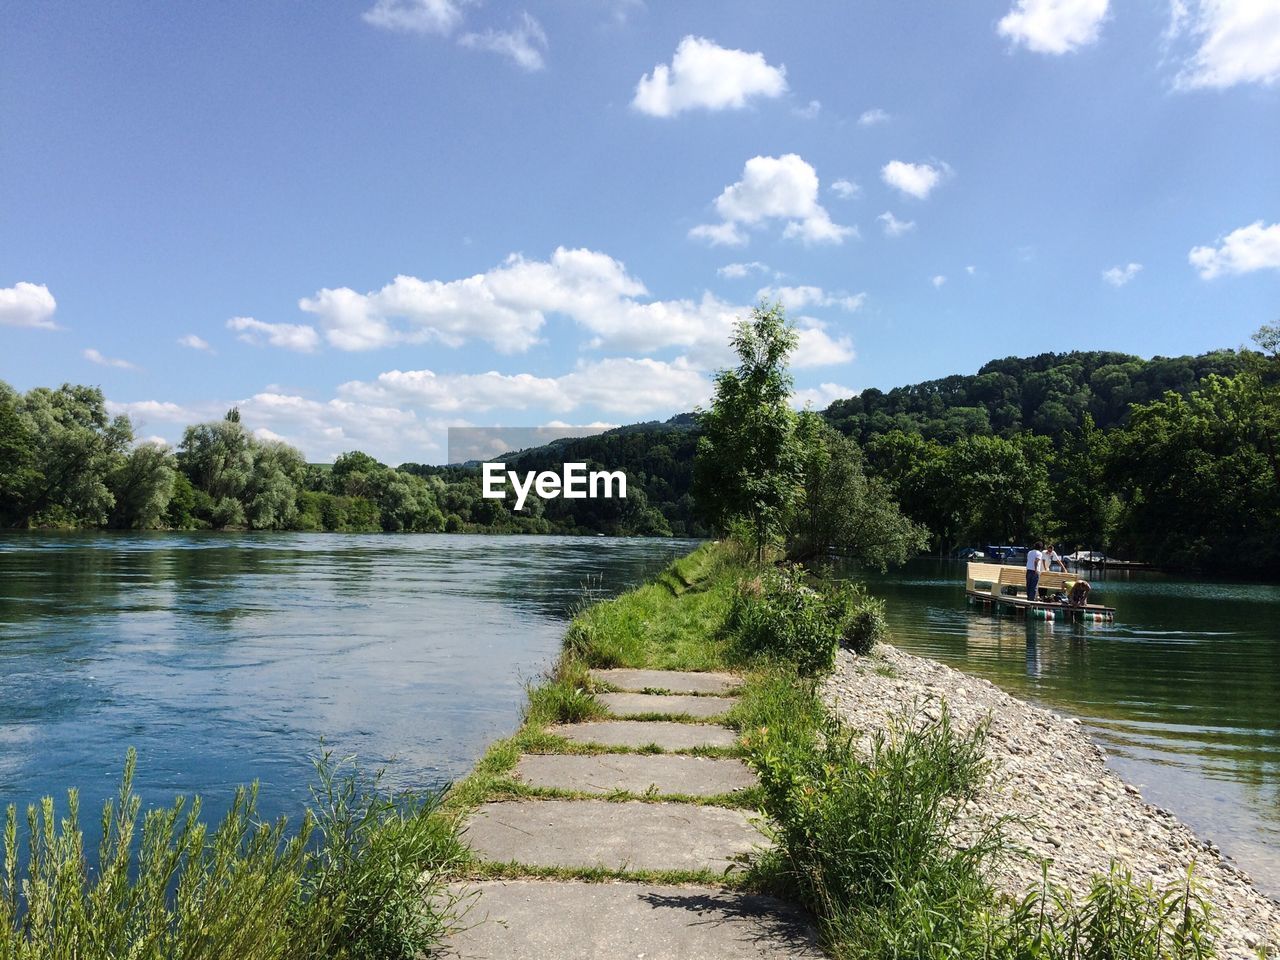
(1002, 588)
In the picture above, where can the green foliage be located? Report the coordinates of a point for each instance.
(142, 486)
(842, 511)
(779, 616)
(748, 464)
(361, 878)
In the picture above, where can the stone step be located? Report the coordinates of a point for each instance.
(636, 773)
(538, 920)
(640, 704)
(672, 681)
(614, 836)
(643, 733)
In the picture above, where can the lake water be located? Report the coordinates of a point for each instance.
(226, 658)
(1183, 690)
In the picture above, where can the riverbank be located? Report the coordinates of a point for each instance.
(1072, 812)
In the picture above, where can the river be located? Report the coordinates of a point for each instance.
(225, 658)
(1183, 690)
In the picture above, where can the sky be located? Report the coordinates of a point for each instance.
(363, 222)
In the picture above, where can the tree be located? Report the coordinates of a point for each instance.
(217, 458)
(142, 486)
(75, 444)
(748, 465)
(842, 511)
(271, 494)
(17, 471)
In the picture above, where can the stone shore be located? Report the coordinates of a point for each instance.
(1077, 815)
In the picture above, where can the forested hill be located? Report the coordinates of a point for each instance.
(1048, 394)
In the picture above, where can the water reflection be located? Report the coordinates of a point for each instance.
(1181, 689)
(225, 658)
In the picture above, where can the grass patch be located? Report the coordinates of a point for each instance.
(737, 877)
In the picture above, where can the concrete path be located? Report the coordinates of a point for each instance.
(666, 734)
(616, 836)
(641, 704)
(668, 681)
(543, 919)
(636, 773)
(531, 920)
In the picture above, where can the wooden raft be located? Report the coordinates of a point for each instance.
(1001, 588)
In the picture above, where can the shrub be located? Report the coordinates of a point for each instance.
(359, 878)
(861, 617)
(777, 616)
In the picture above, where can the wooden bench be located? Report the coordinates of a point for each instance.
(1016, 577)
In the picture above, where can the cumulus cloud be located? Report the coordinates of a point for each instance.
(1237, 41)
(524, 44)
(1245, 250)
(1053, 26)
(192, 342)
(845, 189)
(798, 298)
(817, 347)
(27, 305)
(621, 385)
(415, 16)
(703, 75)
(872, 117)
(95, 356)
(893, 227)
(1118, 276)
(736, 271)
(809, 111)
(289, 336)
(773, 188)
(938, 281)
(821, 396)
(914, 179)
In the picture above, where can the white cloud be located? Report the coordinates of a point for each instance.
(27, 305)
(773, 188)
(893, 227)
(149, 411)
(621, 385)
(704, 75)
(289, 336)
(798, 298)
(1054, 26)
(736, 271)
(914, 179)
(971, 270)
(524, 44)
(845, 189)
(415, 16)
(193, 342)
(821, 396)
(1118, 276)
(809, 111)
(938, 281)
(1245, 250)
(872, 117)
(95, 356)
(817, 348)
(1239, 42)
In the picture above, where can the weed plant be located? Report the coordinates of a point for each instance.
(361, 877)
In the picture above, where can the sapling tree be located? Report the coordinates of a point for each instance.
(749, 461)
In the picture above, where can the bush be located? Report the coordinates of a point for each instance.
(779, 616)
(361, 877)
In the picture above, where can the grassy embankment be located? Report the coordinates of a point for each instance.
(866, 835)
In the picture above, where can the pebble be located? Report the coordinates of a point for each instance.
(1047, 771)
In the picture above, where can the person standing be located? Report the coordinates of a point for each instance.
(1051, 557)
(1035, 563)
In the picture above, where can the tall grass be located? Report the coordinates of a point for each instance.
(360, 877)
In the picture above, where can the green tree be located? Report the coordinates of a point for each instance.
(271, 494)
(842, 511)
(75, 445)
(142, 485)
(748, 466)
(217, 458)
(17, 470)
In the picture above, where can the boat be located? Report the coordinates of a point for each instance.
(1094, 560)
(1002, 588)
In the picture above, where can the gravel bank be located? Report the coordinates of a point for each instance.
(1046, 768)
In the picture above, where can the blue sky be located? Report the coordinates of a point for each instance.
(365, 221)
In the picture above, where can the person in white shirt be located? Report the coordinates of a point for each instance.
(1035, 563)
(1051, 557)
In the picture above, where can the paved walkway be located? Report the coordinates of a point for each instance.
(681, 824)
